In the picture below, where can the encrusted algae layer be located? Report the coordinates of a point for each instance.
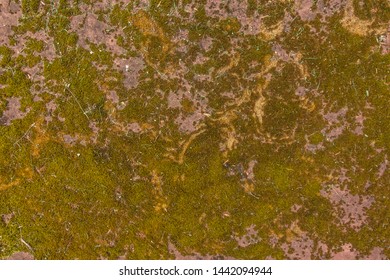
(203, 129)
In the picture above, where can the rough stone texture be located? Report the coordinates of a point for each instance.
(21, 256)
(194, 129)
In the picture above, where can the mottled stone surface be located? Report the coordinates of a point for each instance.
(194, 129)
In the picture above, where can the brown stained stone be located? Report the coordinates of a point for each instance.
(141, 5)
(313, 148)
(343, 178)
(301, 91)
(299, 244)
(333, 133)
(35, 74)
(180, 40)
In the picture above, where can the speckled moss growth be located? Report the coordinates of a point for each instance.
(195, 129)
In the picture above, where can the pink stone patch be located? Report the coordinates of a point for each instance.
(249, 238)
(347, 253)
(351, 209)
(13, 111)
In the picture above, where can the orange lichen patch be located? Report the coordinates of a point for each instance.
(148, 27)
(157, 191)
(248, 186)
(120, 125)
(269, 34)
(234, 60)
(22, 174)
(244, 98)
(300, 245)
(306, 104)
(202, 218)
(228, 131)
(258, 109)
(297, 60)
(183, 146)
(109, 106)
(40, 139)
(293, 232)
(26, 173)
(289, 138)
(161, 206)
(354, 24)
(126, 128)
(157, 183)
(307, 159)
(5, 186)
(217, 246)
(147, 126)
(230, 137)
(179, 178)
